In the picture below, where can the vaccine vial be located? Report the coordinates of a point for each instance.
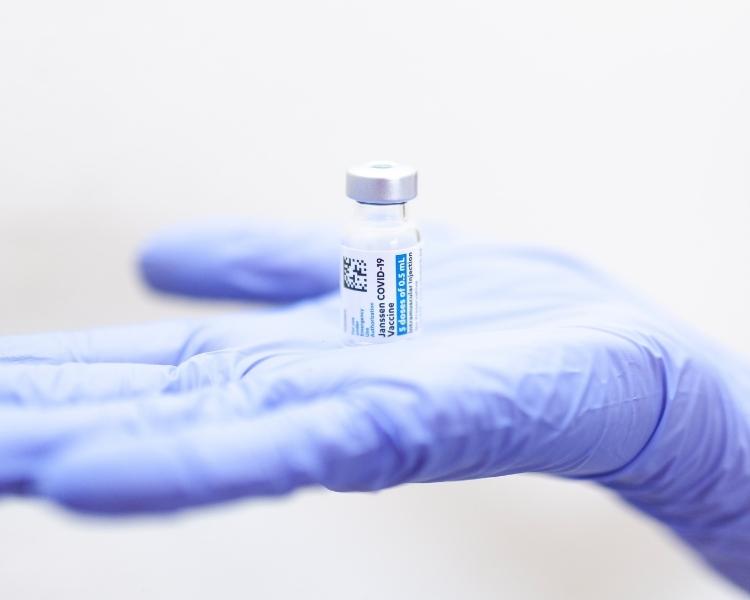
(381, 256)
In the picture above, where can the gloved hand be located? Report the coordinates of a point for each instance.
(529, 361)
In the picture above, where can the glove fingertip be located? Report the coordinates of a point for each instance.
(102, 479)
(237, 259)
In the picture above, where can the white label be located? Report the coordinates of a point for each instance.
(380, 293)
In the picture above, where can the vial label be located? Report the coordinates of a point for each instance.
(380, 293)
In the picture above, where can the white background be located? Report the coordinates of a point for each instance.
(619, 131)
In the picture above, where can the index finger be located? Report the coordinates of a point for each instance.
(164, 343)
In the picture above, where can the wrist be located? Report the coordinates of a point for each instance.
(694, 473)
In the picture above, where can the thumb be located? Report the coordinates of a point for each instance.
(242, 259)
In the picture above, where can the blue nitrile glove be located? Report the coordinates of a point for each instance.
(529, 361)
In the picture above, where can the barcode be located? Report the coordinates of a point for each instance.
(355, 274)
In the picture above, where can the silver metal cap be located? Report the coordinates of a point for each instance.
(381, 182)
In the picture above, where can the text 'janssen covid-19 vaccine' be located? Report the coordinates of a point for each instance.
(381, 256)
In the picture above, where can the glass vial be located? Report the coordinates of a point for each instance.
(381, 256)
